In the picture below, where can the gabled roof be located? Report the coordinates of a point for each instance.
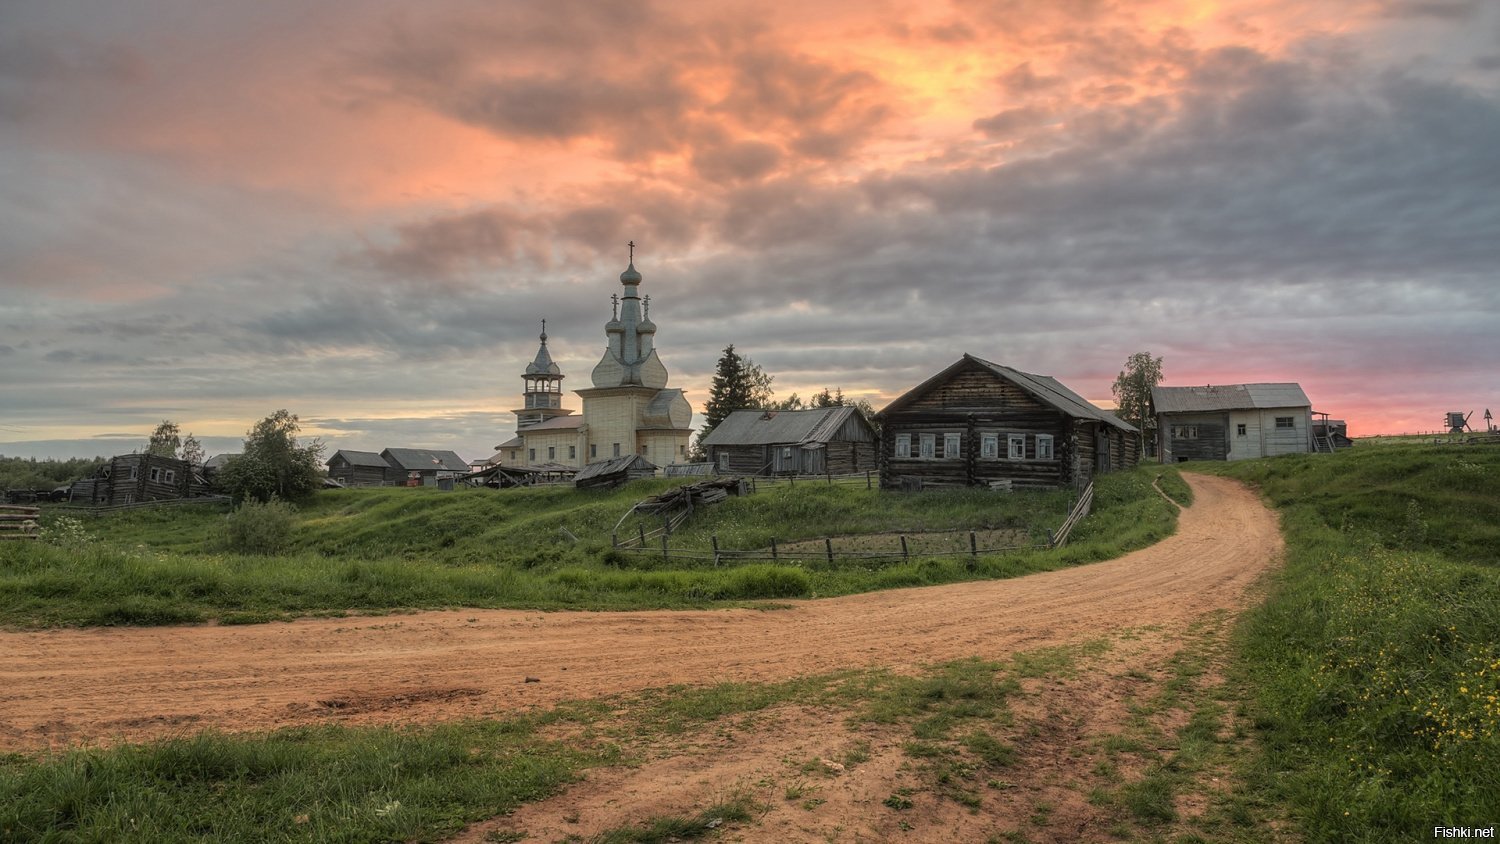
(1043, 388)
(1228, 397)
(773, 427)
(360, 458)
(612, 466)
(218, 461)
(424, 459)
(513, 442)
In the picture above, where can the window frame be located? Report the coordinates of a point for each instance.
(956, 440)
(1291, 423)
(989, 446)
(927, 446)
(1051, 447)
(1011, 443)
(155, 474)
(903, 446)
(1241, 429)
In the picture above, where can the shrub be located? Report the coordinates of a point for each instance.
(259, 528)
(67, 532)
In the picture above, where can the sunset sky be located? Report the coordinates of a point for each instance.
(360, 210)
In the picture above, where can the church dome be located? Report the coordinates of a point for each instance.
(630, 276)
(645, 326)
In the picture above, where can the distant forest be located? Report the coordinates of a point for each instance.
(31, 473)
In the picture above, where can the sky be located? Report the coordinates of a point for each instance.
(361, 210)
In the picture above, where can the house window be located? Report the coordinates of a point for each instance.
(572, 452)
(1239, 429)
(168, 475)
(1044, 446)
(531, 455)
(617, 449)
(724, 461)
(989, 446)
(903, 445)
(786, 453)
(926, 443)
(1184, 432)
(155, 474)
(593, 450)
(1016, 446)
(133, 474)
(950, 446)
(1285, 422)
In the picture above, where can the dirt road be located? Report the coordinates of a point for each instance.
(101, 685)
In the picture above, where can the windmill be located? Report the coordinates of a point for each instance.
(1458, 421)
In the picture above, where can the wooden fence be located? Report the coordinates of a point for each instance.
(17, 522)
(867, 480)
(142, 505)
(657, 541)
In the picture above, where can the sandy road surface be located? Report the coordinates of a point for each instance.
(72, 686)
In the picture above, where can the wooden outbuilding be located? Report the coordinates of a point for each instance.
(1232, 421)
(614, 472)
(361, 468)
(978, 423)
(134, 478)
(423, 466)
(820, 441)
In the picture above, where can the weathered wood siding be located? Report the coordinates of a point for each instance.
(350, 475)
(1211, 442)
(131, 479)
(976, 402)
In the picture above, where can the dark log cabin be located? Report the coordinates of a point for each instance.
(133, 478)
(978, 423)
(362, 468)
(820, 441)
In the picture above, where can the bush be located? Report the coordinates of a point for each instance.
(256, 528)
(67, 532)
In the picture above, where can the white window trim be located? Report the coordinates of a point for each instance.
(958, 450)
(1051, 447)
(1011, 440)
(927, 446)
(989, 446)
(903, 445)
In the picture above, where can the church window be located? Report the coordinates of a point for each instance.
(593, 450)
(903, 445)
(572, 452)
(927, 444)
(551, 452)
(643, 449)
(617, 449)
(951, 446)
(531, 454)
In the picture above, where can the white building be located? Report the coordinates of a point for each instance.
(1231, 421)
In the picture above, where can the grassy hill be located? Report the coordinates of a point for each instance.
(393, 549)
(1374, 664)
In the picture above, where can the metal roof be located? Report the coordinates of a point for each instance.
(1212, 398)
(513, 442)
(424, 459)
(556, 423)
(361, 458)
(1043, 388)
(773, 427)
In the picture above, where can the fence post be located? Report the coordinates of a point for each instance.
(973, 552)
(641, 526)
(1051, 540)
(614, 540)
(664, 554)
(828, 545)
(773, 548)
(715, 538)
(867, 479)
(905, 555)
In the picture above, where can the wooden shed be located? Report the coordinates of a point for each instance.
(978, 423)
(1232, 421)
(133, 478)
(614, 472)
(823, 440)
(423, 466)
(361, 468)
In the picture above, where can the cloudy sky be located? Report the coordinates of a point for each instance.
(359, 210)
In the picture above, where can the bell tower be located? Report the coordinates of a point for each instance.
(543, 394)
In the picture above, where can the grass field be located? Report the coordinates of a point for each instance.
(1375, 661)
(387, 549)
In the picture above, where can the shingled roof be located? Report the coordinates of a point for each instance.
(424, 460)
(368, 459)
(1044, 388)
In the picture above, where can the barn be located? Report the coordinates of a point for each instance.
(133, 478)
(978, 423)
(820, 441)
(423, 466)
(360, 468)
(1232, 421)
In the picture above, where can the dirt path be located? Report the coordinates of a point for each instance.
(98, 685)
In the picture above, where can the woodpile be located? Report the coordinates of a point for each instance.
(689, 496)
(19, 522)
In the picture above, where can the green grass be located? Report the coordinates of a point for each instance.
(1375, 661)
(393, 549)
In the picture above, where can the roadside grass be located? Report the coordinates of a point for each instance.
(1374, 665)
(369, 551)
